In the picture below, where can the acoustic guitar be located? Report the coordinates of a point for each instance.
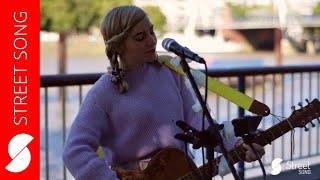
(171, 163)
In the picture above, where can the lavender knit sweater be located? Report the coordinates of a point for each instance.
(131, 125)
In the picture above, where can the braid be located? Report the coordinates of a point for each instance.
(117, 73)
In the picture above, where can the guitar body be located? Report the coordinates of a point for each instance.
(168, 164)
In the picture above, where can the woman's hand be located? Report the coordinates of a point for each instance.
(250, 155)
(128, 174)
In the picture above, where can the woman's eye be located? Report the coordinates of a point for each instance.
(140, 37)
(143, 36)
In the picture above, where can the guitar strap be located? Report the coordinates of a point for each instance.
(220, 88)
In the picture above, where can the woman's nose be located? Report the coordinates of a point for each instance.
(151, 40)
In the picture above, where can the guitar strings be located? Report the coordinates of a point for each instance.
(292, 142)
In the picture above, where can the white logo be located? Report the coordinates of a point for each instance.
(276, 166)
(19, 153)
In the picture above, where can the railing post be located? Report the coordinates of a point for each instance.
(64, 94)
(241, 88)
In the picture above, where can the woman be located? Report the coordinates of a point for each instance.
(131, 111)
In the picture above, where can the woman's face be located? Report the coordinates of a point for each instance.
(140, 45)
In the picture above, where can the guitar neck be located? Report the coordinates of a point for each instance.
(238, 153)
(264, 138)
(298, 118)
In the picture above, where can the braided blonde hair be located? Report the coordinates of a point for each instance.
(115, 28)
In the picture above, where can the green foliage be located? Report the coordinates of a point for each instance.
(241, 11)
(316, 9)
(157, 18)
(237, 11)
(80, 15)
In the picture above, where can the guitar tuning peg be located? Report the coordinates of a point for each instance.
(300, 104)
(307, 101)
(293, 108)
(306, 129)
(312, 124)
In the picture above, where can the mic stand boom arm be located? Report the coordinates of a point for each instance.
(213, 127)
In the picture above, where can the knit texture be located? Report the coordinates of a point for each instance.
(131, 125)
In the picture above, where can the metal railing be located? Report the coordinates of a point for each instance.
(278, 87)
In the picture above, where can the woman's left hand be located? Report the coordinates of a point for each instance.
(250, 155)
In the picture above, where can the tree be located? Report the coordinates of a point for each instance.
(316, 30)
(157, 18)
(316, 9)
(64, 16)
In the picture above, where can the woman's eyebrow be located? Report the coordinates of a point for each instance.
(138, 33)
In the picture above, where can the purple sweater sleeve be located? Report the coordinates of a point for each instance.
(195, 118)
(79, 154)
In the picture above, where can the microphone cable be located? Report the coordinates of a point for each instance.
(260, 162)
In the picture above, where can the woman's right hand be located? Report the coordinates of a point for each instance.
(128, 174)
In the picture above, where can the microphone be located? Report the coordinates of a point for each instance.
(172, 46)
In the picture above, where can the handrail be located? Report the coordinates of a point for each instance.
(85, 79)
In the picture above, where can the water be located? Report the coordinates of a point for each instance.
(75, 65)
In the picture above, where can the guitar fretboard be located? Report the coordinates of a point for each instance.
(238, 154)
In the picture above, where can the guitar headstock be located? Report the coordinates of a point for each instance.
(304, 115)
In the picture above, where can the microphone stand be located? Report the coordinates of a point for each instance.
(246, 128)
(213, 129)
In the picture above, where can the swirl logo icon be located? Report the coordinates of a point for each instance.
(19, 153)
(276, 166)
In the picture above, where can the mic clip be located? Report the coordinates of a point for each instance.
(195, 137)
(246, 127)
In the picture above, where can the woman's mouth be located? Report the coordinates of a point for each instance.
(151, 51)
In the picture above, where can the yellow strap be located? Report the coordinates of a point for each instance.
(217, 87)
